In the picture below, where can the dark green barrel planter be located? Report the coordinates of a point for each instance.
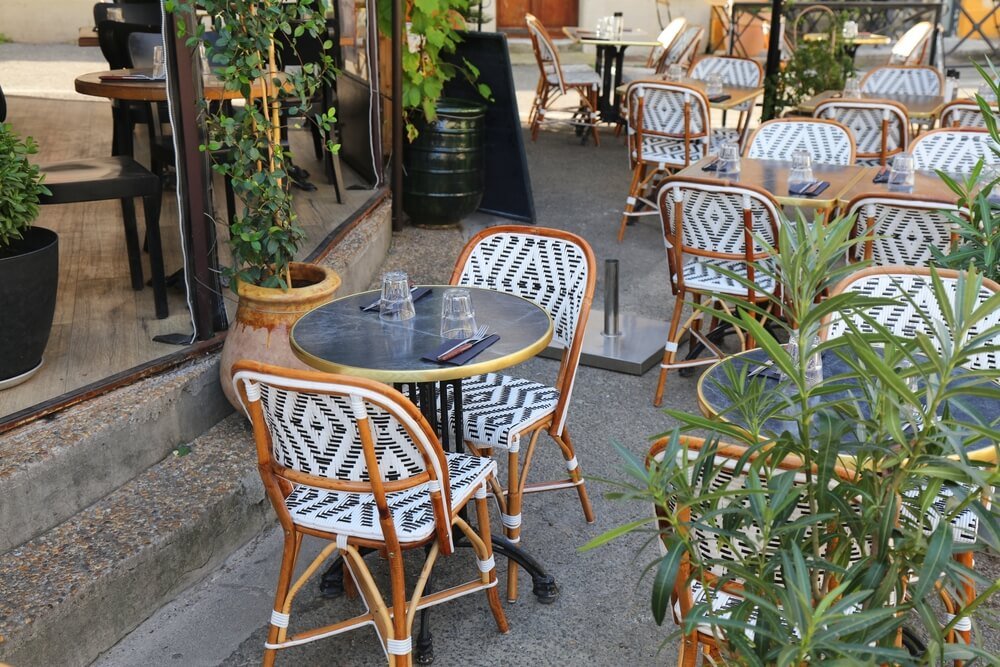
(444, 175)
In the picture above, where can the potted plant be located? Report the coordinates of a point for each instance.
(444, 157)
(246, 145)
(837, 584)
(29, 262)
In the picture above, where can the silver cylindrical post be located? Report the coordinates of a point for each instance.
(611, 327)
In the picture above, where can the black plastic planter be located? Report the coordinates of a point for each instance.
(29, 276)
(444, 167)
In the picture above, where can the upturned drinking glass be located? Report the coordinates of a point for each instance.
(901, 174)
(801, 172)
(852, 87)
(458, 318)
(675, 72)
(729, 159)
(713, 85)
(396, 303)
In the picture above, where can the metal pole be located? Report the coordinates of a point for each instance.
(397, 115)
(773, 61)
(611, 323)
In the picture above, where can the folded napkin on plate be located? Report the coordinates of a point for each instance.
(799, 191)
(416, 295)
(464, 357)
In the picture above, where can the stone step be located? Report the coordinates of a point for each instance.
(53, 468)
(71, 593)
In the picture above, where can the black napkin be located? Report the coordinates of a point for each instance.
(416, 295)
(882, 176)
(466, 356)
(812, 193)
(712, 166)
(719, 98)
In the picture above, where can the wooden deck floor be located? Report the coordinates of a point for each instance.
(102, 326)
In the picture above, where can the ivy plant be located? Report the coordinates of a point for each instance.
(431, 32)
(246, 141)
(20, 185)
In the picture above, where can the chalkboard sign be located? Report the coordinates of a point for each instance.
(508, 185)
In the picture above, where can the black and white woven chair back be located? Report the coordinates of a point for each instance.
(552, 272)
(964, 114)
(827, 141)
(953, 151)
(659, 136)
(712, 217)
(545, 50)
(738, 72)
(313, 427)
(680, 51)
(865, 120)
(904, 230)
(902, 80)
(919, 312)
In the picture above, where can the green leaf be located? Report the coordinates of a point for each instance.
(666, 576)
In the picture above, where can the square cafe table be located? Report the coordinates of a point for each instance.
(772, 176)
(918, 107)
(737, 95)
(926, 185)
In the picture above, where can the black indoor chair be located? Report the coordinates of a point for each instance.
(117, 177)
(113, 38)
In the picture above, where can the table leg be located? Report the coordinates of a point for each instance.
(609, 58)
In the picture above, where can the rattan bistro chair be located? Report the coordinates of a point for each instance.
(709, 225)
(911, 48)
(903, 80)
(963, 113)
(905, 288)
(718, 585)
(669, 127)
(556, 270)
(735, 71)
(827, 141)
(881, 128)
(554, 81)
(319, 437)
(900, 229)
(955, 151)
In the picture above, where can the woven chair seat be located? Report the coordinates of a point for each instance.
(496, 407)
(721, 135)
(356, 514)
(576, 75)
(671, 151)
(703, 276)
(964, 526)
(630, 74)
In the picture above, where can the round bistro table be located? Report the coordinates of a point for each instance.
(340, 337)
(715, 403)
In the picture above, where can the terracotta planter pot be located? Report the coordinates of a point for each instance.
(264, 319)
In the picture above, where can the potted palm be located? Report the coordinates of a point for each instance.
(246, 146)
(29, 262)
(444, 157)
(875, 548)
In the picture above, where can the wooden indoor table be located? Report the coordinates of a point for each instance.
(609, 63)
(123, 91)
(737, 95)
(340, 337)
(772, 176)
(918, 107)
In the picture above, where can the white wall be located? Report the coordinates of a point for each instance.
(42, 21)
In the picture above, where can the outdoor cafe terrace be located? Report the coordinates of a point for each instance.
(653, 181)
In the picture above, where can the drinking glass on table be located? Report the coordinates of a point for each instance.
(713, 85)
(901, 174)
(729, 159)
(675, 72)
(850, 30)
(852, 87)
(159, 71)
(801, 173)
(396, 303)
(458, 318)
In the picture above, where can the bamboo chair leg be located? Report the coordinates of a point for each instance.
(483, 521)
(288, 554)
(638, 179)
(513, 532)
(566, 445)
(592, 104)
(669, 350)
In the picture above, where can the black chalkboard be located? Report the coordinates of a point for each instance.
(508, 184)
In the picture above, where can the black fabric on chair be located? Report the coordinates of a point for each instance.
(123, 178)
(148, 13)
